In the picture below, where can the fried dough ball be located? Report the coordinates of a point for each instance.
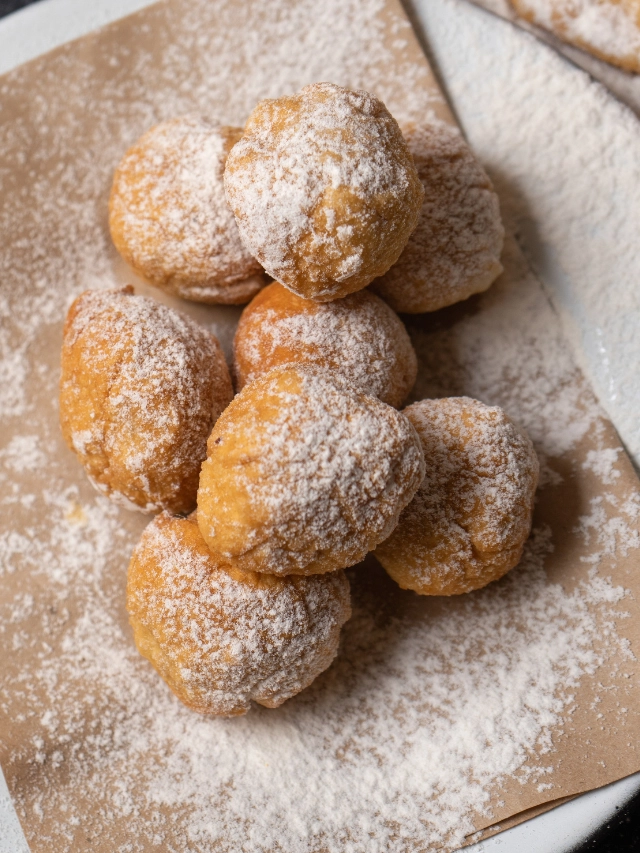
(455, 250)
(169, 218)
(358, 336)
(610, 29)
(471, 516)
(141, 389)
(305, 474)
(222, 638)
(324, 190)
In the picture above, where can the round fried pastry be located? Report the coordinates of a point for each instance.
(609, 29)
(140, 390)
(455, 249)
(169, 218)
(222, 638)
(305, 474)
(324, 190)
(471, 516)
(358, 336)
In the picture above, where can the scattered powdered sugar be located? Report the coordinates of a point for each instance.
(23, 453)
(223, 639)
(603, 463)
(625, 86)
(610, 28)
(424, 709)
(13, 374)
(606, 534)
(169, 215)
(455, 249)
(430, 705)
(530, 375)
(561, 151)
(358, 336)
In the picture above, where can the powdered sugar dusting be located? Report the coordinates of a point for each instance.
(603, 463)
(606, 534)
(23, 454)
(428, 707)
(318, 472)
(530, 375)
(584, 248)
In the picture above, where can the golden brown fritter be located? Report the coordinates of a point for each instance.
(471, 516)
(324, 190)
(222, 638)
(359, 337)
(140, 391)
(305, 474)
(170, 220)
(455, 250)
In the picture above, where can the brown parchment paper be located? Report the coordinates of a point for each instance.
(65, 120)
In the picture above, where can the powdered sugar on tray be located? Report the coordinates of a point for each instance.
(583, 244)
(392, 747)
(431, 706)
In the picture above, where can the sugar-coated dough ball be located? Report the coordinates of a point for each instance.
(324, 190)
(610, 29)
(358, 336)
(305, 474)
(169, 218)
(222, 638)
(471, 516)
(455, 250)
(141, 388)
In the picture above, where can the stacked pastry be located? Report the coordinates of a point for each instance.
(237, 591)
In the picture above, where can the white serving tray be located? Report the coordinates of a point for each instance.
(561, 229)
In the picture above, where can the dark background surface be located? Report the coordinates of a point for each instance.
(619, 835)
(7, 6)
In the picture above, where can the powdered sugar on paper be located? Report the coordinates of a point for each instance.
(430, 705)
